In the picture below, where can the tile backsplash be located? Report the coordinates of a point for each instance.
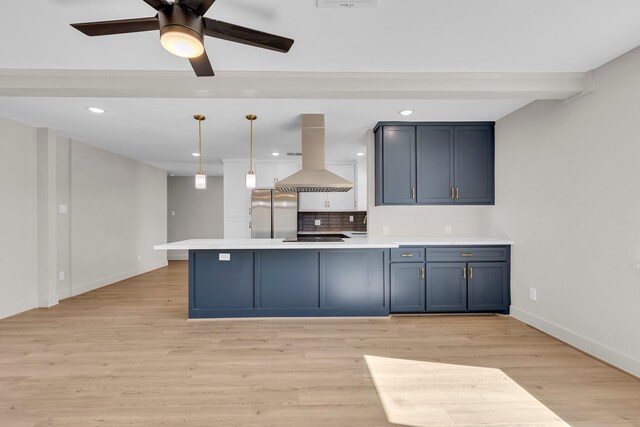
(332, 221)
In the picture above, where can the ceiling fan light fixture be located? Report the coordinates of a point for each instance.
(181, 41)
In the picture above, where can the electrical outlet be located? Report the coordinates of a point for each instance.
(385, 230)
(173, 213)
(317, 222)
(533, 294)
(350, 218)
(447, 229)
(139, 258)
(62, 209)
(61, 275)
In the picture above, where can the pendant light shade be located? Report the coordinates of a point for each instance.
(201, 178)
(250, 179)
(201, 181)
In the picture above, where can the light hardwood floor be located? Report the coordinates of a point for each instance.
(126, 355)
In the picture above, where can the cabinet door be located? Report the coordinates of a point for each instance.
(398, 152)
(407, 287)
(265, 174)
(220, 284)
(237, 198)
(446, 287)
(434, 145)
(342, 201)
(283, 170)
(488, 286)
(474, 158)
(353, 279)
(237, 228)
(288, 279)
(312, 202)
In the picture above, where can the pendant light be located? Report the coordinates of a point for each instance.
(250, 180)
(201, 178)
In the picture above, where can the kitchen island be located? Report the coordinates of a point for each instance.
(358, 277)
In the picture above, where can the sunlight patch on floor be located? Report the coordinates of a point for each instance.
(426, 394)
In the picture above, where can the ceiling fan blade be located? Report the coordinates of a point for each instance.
(105, 28)
(238, 34)
(202, 66)
(200, 6)
(156, 4)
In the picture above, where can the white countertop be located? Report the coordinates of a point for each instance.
(356, 242)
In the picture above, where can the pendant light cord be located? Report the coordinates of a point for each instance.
(251, 148)
(200, 147)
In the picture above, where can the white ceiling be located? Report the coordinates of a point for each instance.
(400, 36)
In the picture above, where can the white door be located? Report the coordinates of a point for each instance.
(283, 170)
(237, 228)
(312, 202)
(265, 174)
(342, 201)
(237, 198)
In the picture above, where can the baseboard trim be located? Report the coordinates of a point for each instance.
(48, 302)
(619, 360)
(17, 308)
(91, 286)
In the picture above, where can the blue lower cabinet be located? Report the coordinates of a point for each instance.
(458, 279)
(488, 287)
(288, 279)
(269, 283)
(354, 280)
(220, 281)
(446, 287)
(407, 287)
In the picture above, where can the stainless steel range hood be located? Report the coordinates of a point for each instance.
(313, 177)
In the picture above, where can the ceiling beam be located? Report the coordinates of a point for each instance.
(289, 85)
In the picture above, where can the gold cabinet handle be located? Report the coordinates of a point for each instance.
(457, 193)
(470, 273)
(464, 273)
(406, 255)
(422, 273)
(453, 194)
(466, 254)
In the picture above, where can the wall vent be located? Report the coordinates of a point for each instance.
(347, 4)
(294, 154)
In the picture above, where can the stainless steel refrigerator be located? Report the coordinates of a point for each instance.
(274, 214)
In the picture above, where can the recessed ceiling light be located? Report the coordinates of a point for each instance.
(195, 154)
(275, 154)
(406, 112)
(360, 153)
(96, 110)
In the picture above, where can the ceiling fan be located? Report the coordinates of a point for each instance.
(182, 29)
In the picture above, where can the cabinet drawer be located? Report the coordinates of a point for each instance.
(484, 253)
(408, 254)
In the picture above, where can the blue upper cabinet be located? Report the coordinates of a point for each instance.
(397, 165)
(434, 163)
(474, 161)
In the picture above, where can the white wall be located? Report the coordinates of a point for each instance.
(420, 221)
(193, 214)
(568, 185)
(18, 216)
(118, 213)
